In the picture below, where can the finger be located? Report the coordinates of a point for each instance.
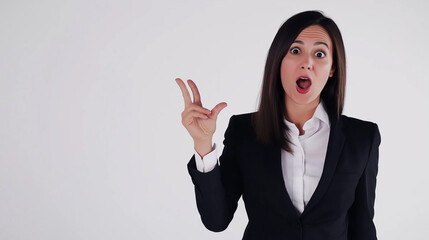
(216, 110)
(195, 92)
(185, 92)
(194, 107)
(189, 118)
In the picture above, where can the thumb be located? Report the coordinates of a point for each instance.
(216, 110)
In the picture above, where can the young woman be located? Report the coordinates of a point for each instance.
(304, 170)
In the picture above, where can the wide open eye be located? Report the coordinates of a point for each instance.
(320, 54)
(295, 50)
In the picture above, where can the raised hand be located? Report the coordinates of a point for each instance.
(199, 121)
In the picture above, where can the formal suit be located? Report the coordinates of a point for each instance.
(342, 206)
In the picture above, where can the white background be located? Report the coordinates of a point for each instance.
(91, 141)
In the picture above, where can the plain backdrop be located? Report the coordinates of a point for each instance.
(91, 140)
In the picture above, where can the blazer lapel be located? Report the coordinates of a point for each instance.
(280, 200)
(335, 146)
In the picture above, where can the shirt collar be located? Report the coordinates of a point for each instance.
(320, 114)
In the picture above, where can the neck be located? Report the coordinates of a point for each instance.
(300, 113)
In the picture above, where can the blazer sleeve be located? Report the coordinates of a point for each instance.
(361, 214)
(218, 191)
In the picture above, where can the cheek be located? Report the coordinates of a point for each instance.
(324, 71)
(287, 71)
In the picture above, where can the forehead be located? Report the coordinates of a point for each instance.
(314, 33)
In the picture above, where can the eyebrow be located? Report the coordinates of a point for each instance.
(316, 43)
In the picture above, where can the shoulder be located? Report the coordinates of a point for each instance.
(244, 118)
(242, 124)
(360, 129)
(355, 123)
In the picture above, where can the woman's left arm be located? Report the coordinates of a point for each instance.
(361, 214)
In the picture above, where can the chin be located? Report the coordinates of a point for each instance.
(303, 99)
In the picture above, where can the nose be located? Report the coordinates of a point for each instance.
(307, 63)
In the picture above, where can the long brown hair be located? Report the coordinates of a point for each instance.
(269, 119)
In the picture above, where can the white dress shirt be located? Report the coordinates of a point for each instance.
(301, 169)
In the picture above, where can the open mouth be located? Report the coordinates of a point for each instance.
(303, 82)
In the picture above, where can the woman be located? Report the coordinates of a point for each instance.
(304, 170)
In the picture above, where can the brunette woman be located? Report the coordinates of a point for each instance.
(304, 170)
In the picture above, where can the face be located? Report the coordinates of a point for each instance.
(307, 66)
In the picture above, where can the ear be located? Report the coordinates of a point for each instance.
(331, 73)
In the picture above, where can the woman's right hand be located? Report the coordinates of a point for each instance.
(199, 121)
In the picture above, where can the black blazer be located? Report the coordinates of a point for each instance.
(342, 206)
